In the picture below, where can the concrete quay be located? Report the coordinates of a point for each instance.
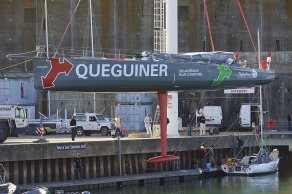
(106, 159)
(118, 182)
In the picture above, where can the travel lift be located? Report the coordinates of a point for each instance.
(162, 98)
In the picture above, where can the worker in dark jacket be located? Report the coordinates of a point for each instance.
(73, 128)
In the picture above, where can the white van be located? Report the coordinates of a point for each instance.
(214, 118)
(249, 116)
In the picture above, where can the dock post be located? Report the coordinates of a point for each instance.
(120, 154)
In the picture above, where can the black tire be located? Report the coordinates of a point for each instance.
(4, 132)
(86, 133)
(216, 131)
(80, 131)
(104, 131)
(211, 131)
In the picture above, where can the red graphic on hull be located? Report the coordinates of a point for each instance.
(56, 68)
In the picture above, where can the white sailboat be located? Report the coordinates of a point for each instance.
(256, 164)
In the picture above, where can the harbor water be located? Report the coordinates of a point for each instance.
(280, 183)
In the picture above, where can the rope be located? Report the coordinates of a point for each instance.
(66, 29)
(201, 99)
(21, 53)
(15, 64)
(246, 25)
(191, 120)
(230, 128)
(209, 26)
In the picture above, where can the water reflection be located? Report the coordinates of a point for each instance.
(279, 182)
(258, 184)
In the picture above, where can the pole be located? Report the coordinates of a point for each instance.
(47, 48)
(57, 115)
(115, 27)
(261, 115)
(171, 21)
(94, 103)
(36, 23)
(47, 34)
(72, 27)
(259, 48)
(120, 154)
(91, 30)
(42, 128)
(261, 97)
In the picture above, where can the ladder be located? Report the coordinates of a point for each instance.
(2, 174)
(156, 126)
(159, 26)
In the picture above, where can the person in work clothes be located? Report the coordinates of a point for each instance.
(78, 167)
(148, 122)
(202, 121)
(73, 128)
(118, 127)
(202, 156)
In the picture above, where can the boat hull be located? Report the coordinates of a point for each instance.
(102, 75)
(251, 170)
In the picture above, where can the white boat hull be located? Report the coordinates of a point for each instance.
(253, 169)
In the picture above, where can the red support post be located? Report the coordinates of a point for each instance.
(162, 98)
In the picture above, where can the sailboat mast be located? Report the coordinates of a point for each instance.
(91, 30)
(92, 46)
(47, 46)
(261, 95)
(47, 34)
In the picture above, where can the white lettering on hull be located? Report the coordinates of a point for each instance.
(121, 70)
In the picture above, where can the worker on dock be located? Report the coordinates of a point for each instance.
(73, 128)
(117, 122)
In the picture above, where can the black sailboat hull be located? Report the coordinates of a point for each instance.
(102, 75)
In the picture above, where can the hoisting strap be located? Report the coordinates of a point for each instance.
(246, 25)
(209, 26)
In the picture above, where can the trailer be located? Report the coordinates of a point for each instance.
(51, 126)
